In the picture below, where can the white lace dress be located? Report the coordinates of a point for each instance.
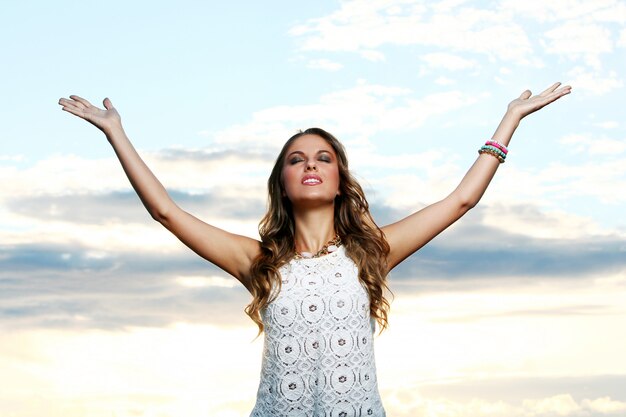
(318, 356)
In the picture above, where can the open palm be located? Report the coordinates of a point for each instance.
(526, 103)
(104, 119)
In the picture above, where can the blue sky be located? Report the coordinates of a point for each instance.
(526, 291)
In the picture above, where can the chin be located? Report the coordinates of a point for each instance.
(312, 202)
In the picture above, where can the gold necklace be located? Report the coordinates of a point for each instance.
(329, 247)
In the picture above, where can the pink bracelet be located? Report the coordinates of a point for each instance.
(498, 145)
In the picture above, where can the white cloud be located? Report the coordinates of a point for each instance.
(325, 64)
(614, 12)
(447, 5)
(206, 281)
(577, 142)
(69, 175)
(540, 222)
(560, 10)
(609, 124)
(461, 29)
(622, 38)
(575, 39)
(357, 112)
(447, 61)
(594, 82)
(583, 29)
(372, 55)
(61, 174)
(594, 145)
(407, 402)
(590, 179)
(169, 371)
(560, 405)
(604, 405)
(12, 158)
(444, 81)
(559, 181)
(140, 371)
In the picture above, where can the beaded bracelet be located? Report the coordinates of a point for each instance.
(493, 153)
(498, 145)
(496, 150)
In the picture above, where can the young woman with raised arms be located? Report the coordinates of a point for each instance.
(318, 275)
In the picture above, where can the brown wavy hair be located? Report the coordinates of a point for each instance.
(364, 242)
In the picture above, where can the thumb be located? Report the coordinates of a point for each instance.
(525, 95)
(107, 104)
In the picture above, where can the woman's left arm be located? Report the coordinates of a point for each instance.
(411, 233)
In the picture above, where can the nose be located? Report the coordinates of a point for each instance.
(311, 166)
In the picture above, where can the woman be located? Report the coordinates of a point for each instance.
(318, 276)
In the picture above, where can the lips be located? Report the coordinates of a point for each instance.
(311, 179)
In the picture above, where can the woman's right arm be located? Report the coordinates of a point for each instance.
(233, 253)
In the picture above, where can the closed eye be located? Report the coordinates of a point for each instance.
(294, 161)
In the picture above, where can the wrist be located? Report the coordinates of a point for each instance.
(512, 117)
(113, 131)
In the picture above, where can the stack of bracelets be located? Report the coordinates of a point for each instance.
(495, 148)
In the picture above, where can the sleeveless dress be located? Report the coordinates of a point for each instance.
(318, 355)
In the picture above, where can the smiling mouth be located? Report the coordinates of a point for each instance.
(311, 180)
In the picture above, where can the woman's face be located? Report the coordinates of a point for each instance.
(310, 172)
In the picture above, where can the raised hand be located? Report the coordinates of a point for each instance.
(526, 103)
(105, 120)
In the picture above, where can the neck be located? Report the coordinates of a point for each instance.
(314, 228)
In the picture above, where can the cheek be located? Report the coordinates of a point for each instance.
(336, 181)
(336, 177)
(286, 179)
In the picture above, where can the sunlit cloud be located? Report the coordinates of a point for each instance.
(405, 404)
(151, 371)
(203, 281)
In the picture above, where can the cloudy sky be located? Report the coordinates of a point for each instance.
(517, 310)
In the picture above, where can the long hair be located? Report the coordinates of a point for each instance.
(364, 242)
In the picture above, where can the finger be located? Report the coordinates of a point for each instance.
(75, 111)
(555, 95)
(566, 89)
(558, 93)
(550, 89)
(80, 100)
(107, 103)
(525, 95)
(70, 103)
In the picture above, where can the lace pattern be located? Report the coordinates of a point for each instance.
(318, 356)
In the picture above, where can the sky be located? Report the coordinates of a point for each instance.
(517, 310)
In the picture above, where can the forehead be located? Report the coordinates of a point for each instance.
(310, 144)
